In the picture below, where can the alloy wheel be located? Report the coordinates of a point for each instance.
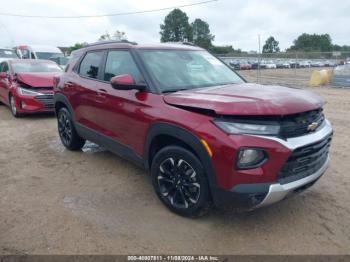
(65, 128)
(178, 183)
(13, 105)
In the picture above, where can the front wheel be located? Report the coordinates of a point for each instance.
(180, 181)
(69, 136)
(13, 106)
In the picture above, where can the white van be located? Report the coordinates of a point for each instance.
(41, 52)
(38, 51)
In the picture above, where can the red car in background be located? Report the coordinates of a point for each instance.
(26, 86)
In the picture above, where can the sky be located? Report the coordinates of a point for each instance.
(233, 22)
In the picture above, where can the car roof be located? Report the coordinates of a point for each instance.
(131, 45)
(44, 48)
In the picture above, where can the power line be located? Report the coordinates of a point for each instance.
(106, 15)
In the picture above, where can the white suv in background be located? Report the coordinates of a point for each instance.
(38, 51)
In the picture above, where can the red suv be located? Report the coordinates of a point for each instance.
(206, 135)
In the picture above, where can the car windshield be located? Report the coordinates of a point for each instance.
(47, 55)
(6, 53)
(175, 70)
(35, 67)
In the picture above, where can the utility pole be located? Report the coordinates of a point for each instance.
(259, 58)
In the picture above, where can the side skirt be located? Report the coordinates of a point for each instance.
(110, 144)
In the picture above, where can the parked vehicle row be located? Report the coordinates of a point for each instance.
(279, 63)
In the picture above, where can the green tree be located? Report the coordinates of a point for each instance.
(105, 37)
(176, 27)
(344, 48)
(271, 45)
(201, 33)
(314, 42)
(118, 36)
(76, 46)
(223, 50)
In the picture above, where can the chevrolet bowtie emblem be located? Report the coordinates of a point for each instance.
(312, 127)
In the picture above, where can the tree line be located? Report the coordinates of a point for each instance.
(177, 28)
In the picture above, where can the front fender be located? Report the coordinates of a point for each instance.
(189, 139)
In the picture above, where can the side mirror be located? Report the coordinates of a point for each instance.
(126, 82)
(4, 75)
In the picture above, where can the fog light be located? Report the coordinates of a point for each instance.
(22, 104)
(250, 158)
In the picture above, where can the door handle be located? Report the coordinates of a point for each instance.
(102, 93)
(69, 84)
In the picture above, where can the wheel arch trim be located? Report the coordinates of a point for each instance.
(186, 137)
(60, 98)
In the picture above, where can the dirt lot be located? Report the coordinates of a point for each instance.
(295, 77)
(53, 201)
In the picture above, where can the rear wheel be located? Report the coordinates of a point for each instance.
(180, 181)
(13, 107)
(69, 136)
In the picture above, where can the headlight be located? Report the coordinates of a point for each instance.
(28, 92)
(250, 158)
(248, 128)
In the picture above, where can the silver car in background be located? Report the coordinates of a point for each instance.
(7, 54)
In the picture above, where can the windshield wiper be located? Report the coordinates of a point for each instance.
(174, 90)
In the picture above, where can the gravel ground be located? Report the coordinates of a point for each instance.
(294, 77)
(53, 201)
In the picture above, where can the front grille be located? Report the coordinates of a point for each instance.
(47, 100)
(305, 161)
(293, 125)
(298, 125)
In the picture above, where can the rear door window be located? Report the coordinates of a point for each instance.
(90, 66)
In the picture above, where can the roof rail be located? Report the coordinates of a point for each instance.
(111, 42)
(181, 43)
(188, 43)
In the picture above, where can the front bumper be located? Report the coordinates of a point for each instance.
(35, 104)
(255, 195)
(277, 192)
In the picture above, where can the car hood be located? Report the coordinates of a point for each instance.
(247, 99)
(37, 80)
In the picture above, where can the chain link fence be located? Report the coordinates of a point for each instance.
(287, 68)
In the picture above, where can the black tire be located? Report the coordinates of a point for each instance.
(69, 136)
(180, 182)
(13, 107)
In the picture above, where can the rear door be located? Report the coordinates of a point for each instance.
(81, 86)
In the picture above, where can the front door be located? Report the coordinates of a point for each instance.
(120, 112)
